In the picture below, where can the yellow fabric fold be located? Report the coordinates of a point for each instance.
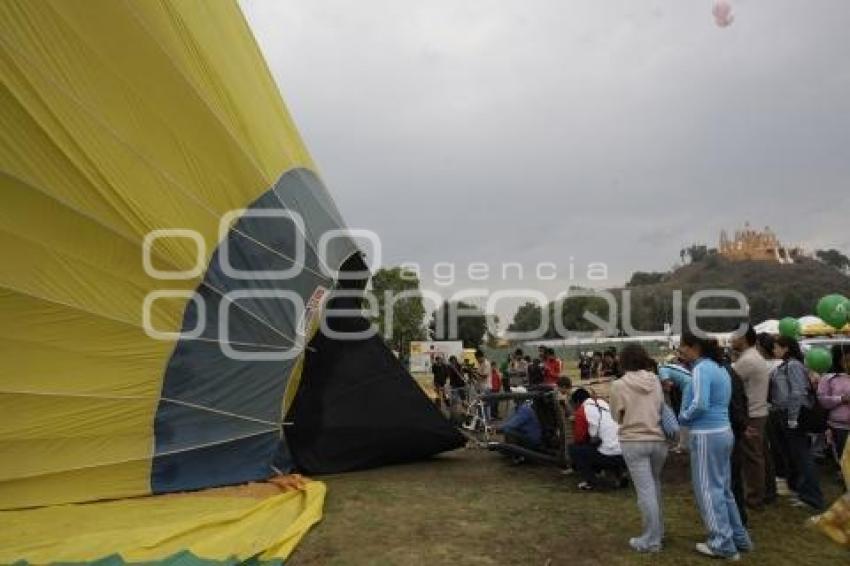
(238, 522)
(835, 522)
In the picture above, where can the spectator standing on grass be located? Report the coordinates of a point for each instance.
(483, 369)
(610, 365)
(551, 368)
(636, 401)
(764, 344)
(789, 395)
(495, 387)
(585, 366)
(536, 373)
(505, 372)
(705, 410)
(596, 365)
(834, 396)
(676, 375)
(456, 382)
(754, 372)
(440, 371)
(518, 372)
(595, 445)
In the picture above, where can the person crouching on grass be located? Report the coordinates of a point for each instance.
(523, 429)
(705, 410)
(595, 445)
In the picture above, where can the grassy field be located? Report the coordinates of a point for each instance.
(472, 507)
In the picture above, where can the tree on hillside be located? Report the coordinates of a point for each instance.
(645, 278)
(572, 313)
(407, 314)
(834, 258)
(493, 339)
(761, 308)
(470, 324)
(697, 252)
(793, 305)
(528, 318)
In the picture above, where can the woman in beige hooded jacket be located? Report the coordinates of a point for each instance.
(636, 400)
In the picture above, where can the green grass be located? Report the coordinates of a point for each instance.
(471, 507)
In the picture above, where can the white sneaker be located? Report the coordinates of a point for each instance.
(703, 549)
(637, 547)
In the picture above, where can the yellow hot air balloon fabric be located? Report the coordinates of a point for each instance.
(118, 119)
(168, 254)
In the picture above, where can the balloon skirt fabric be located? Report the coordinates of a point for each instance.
(232, 526)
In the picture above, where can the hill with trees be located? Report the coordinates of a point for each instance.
(773, 290)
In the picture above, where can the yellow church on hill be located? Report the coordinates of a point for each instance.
(756, 245)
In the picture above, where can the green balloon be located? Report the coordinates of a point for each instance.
(819, 360)
(833, 310)
(789, 327)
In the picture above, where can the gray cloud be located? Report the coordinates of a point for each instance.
(612, 131)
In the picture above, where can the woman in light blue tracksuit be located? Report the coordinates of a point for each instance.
(705, 409)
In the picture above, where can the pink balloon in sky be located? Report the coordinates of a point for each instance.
(722, 12)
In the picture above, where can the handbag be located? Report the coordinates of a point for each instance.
(814, 418)
(669, 422)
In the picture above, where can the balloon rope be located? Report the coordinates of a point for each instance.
(237, 140)
(204, 408)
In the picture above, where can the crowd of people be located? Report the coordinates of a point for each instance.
(750, 417)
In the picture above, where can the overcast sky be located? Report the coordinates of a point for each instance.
(611, 131)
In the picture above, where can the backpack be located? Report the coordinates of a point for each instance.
(596, 439)
(813, 419)
(738, 402)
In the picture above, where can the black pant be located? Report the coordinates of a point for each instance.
(769, 464)
(839, 440)
(778, 447)
(587, 460)
(794, 461)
